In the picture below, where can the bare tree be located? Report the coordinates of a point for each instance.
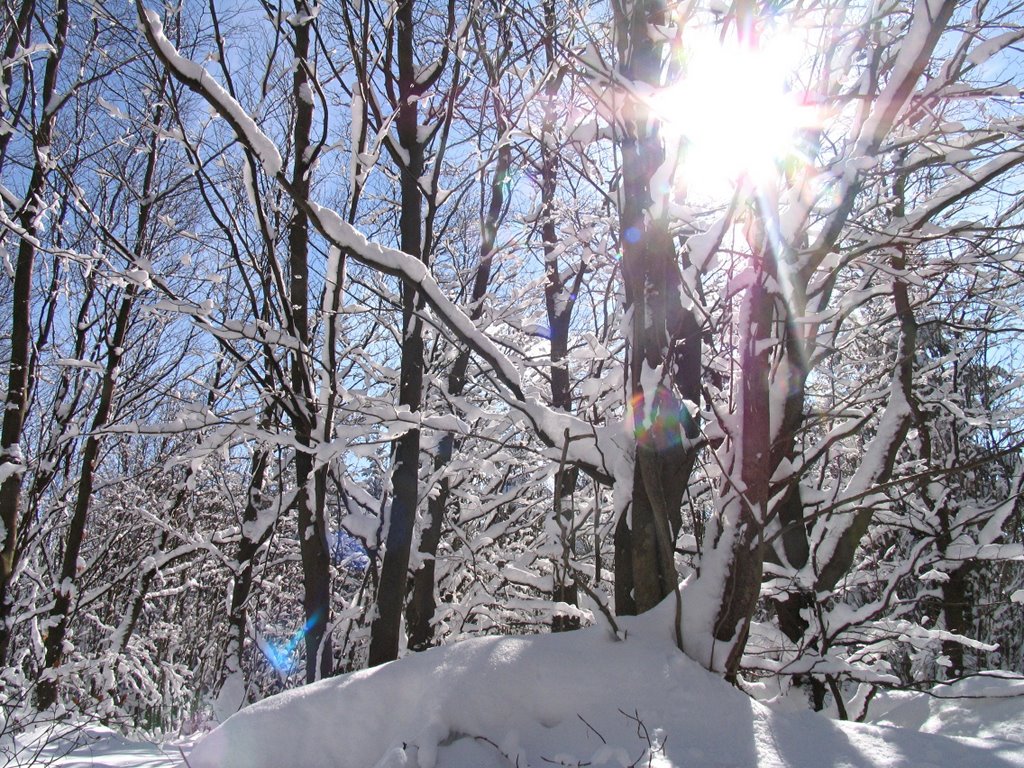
(26, 215)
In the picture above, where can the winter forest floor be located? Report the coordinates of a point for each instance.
(572, 700)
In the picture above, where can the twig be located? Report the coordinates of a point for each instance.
(568, 765)
(596, 732)
(500, 751)
(600, 604)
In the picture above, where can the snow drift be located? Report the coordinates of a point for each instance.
(581, 698)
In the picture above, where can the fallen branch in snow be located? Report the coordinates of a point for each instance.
(592, 728)
(654, 746)
(502, 752)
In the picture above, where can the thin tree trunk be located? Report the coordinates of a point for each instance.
(423, 603)
(310, 481)
(65, 590)
(391, 591)
(12, 459)
(746, 502)
(793, 549)
(254, 534)
(123, 634)
(18, 38)
(835, 566)
(559, 299)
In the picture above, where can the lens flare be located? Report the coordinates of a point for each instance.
(664, 424)
(282, 656)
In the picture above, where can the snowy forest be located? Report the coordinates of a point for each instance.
(335, 332)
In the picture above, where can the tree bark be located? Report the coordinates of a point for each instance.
(391, 591)
(310, 480)
(254, 534)
(17, 38)
(745, 503)
(423, 605)
(560, 299)
(12, 459)
(665, 365)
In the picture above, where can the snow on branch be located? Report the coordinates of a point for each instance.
(195, 77)
(929, 20)
(586, 447)
(590, 448)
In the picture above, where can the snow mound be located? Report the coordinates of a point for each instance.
(985, 706)
(569, 699)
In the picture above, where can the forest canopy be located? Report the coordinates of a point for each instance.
(336, 332)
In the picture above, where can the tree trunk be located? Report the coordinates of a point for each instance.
(795, 550)
(560, 299)
(255, 531)
(956, 613)
(310, 480)
(65, 590)
(123, 634)
(745, 503)
(423, 604)
(665, 365)
(391, 591)
(12, 459)
(17, 38)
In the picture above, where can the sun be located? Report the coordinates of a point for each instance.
(735, 111)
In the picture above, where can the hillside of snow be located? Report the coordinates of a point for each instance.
(576, 699)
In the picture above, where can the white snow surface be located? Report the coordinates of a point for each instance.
(573, 699)
(578, 698)
(87, 746)
(985, 706)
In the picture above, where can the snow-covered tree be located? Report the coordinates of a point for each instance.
(341, 331)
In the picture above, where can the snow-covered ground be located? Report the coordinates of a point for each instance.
(88, 747)
(579, 699)
(987, 707)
